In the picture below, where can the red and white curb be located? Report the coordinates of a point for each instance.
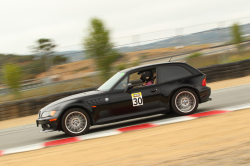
(121, 130)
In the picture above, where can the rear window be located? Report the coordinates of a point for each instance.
(169, 73)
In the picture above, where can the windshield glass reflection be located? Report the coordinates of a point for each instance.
(110, 83)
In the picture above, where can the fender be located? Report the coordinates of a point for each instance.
(75, 104)
(167, 94)
(189, 87)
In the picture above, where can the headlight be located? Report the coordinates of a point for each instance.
(48, 114)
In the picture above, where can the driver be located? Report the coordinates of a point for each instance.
(146, 77)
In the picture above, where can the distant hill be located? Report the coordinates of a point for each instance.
(73, 56)
(203, 37)
(34, 66)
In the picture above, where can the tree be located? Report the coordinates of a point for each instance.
(45, 49)
(99, 47)
(237, 36)
(12, 77)
(44, 46)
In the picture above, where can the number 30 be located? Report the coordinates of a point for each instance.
(135, 101)
(139, 100)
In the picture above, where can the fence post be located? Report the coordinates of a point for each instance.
(48, 65)
(179, 35)
(93, 79)
(220, 27)
(136, 42)
(179, 42)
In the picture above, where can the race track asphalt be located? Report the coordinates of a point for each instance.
(30, 134)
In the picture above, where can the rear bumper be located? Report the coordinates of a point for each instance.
(204, 94)
(208, 99)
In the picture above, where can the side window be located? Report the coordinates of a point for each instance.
(122, 85)
(143, 78)
(135, 80)
(169, 73)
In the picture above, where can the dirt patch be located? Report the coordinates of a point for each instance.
(18, 121)
(71, 70)
(229, 83)
(157, 53)
(216, 140)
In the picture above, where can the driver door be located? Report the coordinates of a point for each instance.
(121, 102)
(136, 102)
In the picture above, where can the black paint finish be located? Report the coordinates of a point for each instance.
(115, 105)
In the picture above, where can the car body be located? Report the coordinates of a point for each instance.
(179, 88)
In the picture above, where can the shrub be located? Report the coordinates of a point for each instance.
(196, 54)
(135, 63)
(121, 66)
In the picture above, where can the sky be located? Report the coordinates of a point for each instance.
(66, 21)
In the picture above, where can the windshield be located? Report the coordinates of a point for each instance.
(110, 83)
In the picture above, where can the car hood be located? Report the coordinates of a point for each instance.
(79, 95)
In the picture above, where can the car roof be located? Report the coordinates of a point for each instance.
(149, 65)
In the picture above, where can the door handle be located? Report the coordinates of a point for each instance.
(153, 90)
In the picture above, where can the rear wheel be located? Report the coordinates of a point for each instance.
(184, 102)
(75, 122)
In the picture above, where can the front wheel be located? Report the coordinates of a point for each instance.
(75, 122)
(184, 102)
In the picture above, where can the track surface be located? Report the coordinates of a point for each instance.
(29, 134)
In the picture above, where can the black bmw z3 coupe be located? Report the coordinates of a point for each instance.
(131, 93)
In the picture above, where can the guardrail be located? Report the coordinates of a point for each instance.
(31, 106)
(227, 71)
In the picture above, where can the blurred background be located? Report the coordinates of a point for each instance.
(48, 71)
(49, 51)
(53, 49)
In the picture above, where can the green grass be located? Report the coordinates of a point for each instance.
(237, 58)
(83, 83)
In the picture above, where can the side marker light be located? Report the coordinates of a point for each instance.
(52, 120)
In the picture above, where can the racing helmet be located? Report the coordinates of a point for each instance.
(146, 75)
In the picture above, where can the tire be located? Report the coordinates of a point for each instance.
(184, 102)
(75, 122)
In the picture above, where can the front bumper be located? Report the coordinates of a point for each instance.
(48, 125)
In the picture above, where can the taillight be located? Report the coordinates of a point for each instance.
(204, 82)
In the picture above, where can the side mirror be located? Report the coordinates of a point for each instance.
(130, 86)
